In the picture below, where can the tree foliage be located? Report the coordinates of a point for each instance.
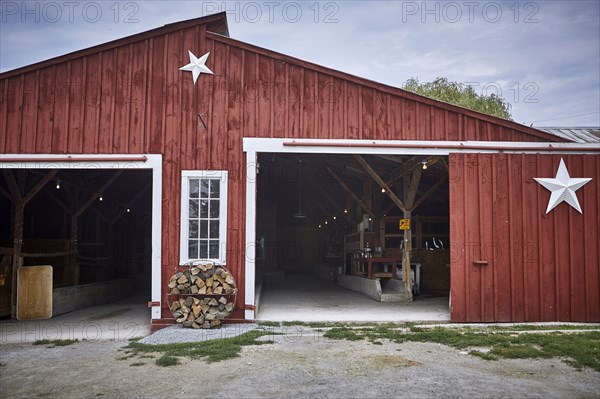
(462, 95)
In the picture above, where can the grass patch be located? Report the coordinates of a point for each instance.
(55, 342)
(581, 348)
(137, 364)
(167, 361)
(269, 324)
(213, 351)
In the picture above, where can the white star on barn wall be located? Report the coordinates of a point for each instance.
(196, 66)
(563, 188)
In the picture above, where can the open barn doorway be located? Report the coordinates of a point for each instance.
(320, 216)
(94, 227)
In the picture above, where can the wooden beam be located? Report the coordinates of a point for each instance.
(431, 190)
(12, 185)
(98, 192)
(332, 201)
(413, 187)
(5, 193)
(381, 183)
(39, 186)
(350, 192)
(130, 204)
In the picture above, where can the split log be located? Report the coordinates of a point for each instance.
(207, 295)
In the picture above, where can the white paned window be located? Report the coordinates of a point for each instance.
(203, 215)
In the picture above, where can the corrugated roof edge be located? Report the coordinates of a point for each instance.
(577, 134)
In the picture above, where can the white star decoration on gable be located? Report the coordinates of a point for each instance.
(196, 66)
(563, 188)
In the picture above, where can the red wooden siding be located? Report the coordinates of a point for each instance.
(541, 267)
(130, 97)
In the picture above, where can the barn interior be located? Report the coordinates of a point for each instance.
(318, 215)
(93, 226)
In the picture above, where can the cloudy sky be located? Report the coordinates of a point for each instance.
(541, 56)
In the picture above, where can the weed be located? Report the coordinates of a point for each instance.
(167, 361)
(582, 349)
(137, 364)
(55, 342)
(214, 350)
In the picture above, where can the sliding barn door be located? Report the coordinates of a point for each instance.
(510, 261)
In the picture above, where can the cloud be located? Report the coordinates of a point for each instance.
(553, 46)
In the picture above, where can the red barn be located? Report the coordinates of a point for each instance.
(117, 163)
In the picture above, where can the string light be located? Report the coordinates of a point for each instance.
(58, 184)
(319, 226)
(382, 190)
(326, 222)
(128, 210)
(335, 218)
(101, 199)
(370, 219)
(424, 164)
(345, 210)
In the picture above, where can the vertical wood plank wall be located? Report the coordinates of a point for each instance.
(542, 267)
(134, 99)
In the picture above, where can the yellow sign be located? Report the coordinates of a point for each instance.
(404, 224)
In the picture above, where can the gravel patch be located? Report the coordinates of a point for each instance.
(177, 334)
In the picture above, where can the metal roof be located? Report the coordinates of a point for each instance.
(576, 134)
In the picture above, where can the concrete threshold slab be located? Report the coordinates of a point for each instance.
(117, 321)
(178, 334)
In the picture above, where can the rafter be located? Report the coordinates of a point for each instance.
(350, 192)
(381, 183)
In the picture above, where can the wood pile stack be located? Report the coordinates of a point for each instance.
(205, 295)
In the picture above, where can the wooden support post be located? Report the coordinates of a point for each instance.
(19, 201)
(411, 187)
(406, 257)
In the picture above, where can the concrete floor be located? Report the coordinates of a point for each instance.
(308, 298)
(117, 321)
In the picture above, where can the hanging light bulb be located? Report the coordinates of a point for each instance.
(58, 184)
(382, 190)
(424, 164)
(128, 210)
(100, 199)
(326, 222)
(370, 219)
(345, 210)
(335, 218)
(319, 226)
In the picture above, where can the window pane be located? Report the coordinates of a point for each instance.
(214, 208)
(214, 188)
(203, 188)
(203, 208)
(214, 229)
(203, 249)
(193, 229)
(193, 249)
(204, 229)
(193, 208)
(193, 188)
(213, 248)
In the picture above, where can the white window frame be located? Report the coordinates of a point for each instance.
(186, 175)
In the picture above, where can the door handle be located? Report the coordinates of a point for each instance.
(480, 262)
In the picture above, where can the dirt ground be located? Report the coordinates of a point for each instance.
(300, 364)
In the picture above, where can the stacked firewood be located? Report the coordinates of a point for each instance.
(205, 295)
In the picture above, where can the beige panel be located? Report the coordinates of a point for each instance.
(34, 292)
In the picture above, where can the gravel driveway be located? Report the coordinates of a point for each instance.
(299, 364)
